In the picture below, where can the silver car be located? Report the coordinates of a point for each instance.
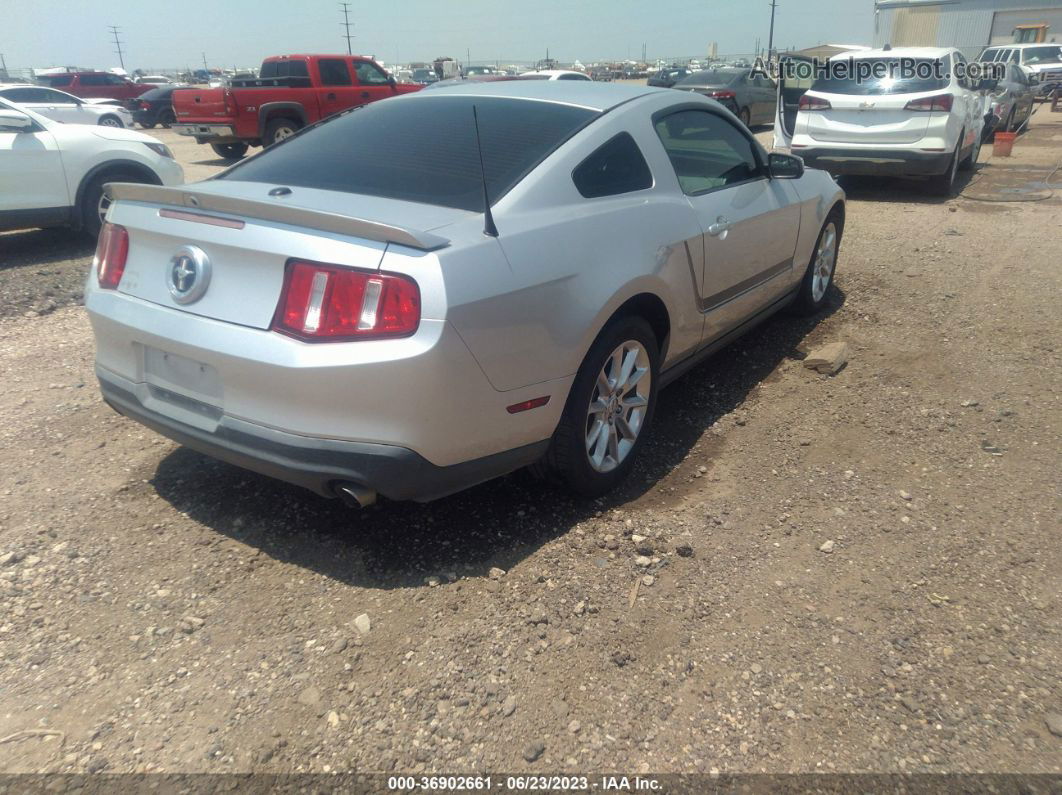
(428, 292)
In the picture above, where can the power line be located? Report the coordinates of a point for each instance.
(118, 44)
(346, 24)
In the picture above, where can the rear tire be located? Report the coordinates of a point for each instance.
(612, 400)
(970, 162)
(819, 276)
(746, 116)
(278, 130)
(229, 151)
(148, 125)
(166, 118)
(944, 184)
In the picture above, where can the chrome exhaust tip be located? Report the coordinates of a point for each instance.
(354, 495)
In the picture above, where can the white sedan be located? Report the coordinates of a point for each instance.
(53, 174)
(60, 106)
(555, 74)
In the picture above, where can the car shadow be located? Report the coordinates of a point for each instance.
(399, 545)
(901, 189)
(30, 247)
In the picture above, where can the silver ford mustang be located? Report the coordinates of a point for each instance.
(425, 293)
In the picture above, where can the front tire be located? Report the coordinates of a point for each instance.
(819, 275)
(94, 204)
(110, 120)
(230, 151)
(609, 409)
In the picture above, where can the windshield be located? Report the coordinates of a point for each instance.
(1042, 55)
(714, 77)
(421, 149)
(886, 76)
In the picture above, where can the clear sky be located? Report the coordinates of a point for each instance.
(164, 34)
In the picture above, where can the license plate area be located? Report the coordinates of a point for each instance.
(181, 381)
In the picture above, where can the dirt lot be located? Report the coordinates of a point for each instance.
(857, 573)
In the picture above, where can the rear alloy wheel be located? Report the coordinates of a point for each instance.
(279, 130)
(944, 184)
(819, 275)
(110, 121)
(609, 409)
(746, 117)
(232, 151)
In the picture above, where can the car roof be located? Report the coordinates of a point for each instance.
(1024, 45)
(584, 93)
(895, 52)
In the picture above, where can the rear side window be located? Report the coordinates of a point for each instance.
(58, 80)
(616, 167)
(890, 80)
(93, 80)
(334, 72)
(707, 151)
(27, 94)
(421, 149)
(272, 69)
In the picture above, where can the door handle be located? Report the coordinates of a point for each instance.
(720, 227)
(365, 93)
(330, 97)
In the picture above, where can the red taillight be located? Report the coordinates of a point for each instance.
(722, 94)
(144, 105)
(939, 102)
(112, 248)
(230, 103)
(813, 103)
(328, 302)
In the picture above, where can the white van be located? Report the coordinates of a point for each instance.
(1042, 63)
(927, 124)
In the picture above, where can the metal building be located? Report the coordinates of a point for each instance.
(969, 25)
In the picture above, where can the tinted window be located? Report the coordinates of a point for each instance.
(370, 74)
(26, 94)
(713, 77)
(93, 80)
(157, 94)
(989, 55)
(852, 84)
(273, 69)
(334, 72)
(617, 167)
(707, 151)
(1042, 55)
(57, 80)
(421, 149)
(573, 77)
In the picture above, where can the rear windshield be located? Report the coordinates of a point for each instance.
(1042, 55)
(272, 69)
(157, 93)
(716, 77)
(875, 76)
(421, 149)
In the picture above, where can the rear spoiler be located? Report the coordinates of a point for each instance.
(279, 213)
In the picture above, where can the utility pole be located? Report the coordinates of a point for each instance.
(770, 41)
(118, 44)
(346, 25)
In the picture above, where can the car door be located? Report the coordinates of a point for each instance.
(336, 90)
(971, 105)
(795, 77)
(65, 107)
(31, 169)
(749, 221)
(1023, 92)
(373, 82)
(765, 93)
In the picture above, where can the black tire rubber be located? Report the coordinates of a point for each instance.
(88, 209)
(970, 161)
(567, 457)
(944, 184)
(805, 303)
(275, 126)
(166, 118)
(230, 151)
(110, 117)
(150, 126)
(746, 117)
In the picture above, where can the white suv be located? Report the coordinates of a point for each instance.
(1042, 63)
(925, 124)
(52, 174)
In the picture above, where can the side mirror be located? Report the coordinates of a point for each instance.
(15, 121)
(783, 166)
(391, 80)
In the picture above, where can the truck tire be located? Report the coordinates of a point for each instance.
(230, 151)
(278, 130)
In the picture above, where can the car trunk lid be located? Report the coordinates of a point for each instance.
(874, 119)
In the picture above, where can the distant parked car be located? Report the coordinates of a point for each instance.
(155, 80)
(1042, 63)
(98, 85)
(424, 76)
(156, 107)
(749, 97)
(52, 174)
(666, 78)
(1012, 102)
(555, 74)
(929, 124)
(480, 70)
(66, 108)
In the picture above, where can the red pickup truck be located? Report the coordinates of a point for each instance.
(290, 92)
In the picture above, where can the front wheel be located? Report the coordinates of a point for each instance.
(819, 275)
(609, 409)
(94, 203)
(232, 151)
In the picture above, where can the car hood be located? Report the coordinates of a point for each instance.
(122, 134)
(1044, 67)
(102, 101)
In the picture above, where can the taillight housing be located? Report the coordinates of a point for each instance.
(331, 303)
(937, 102)
(144, 105)
(722, 94)
(230, 103)
(112, 248)
(813, 103)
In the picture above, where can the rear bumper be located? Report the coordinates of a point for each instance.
(904, 162)
(207, 132)
(313, 463)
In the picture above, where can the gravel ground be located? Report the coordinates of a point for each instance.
(806, 573)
